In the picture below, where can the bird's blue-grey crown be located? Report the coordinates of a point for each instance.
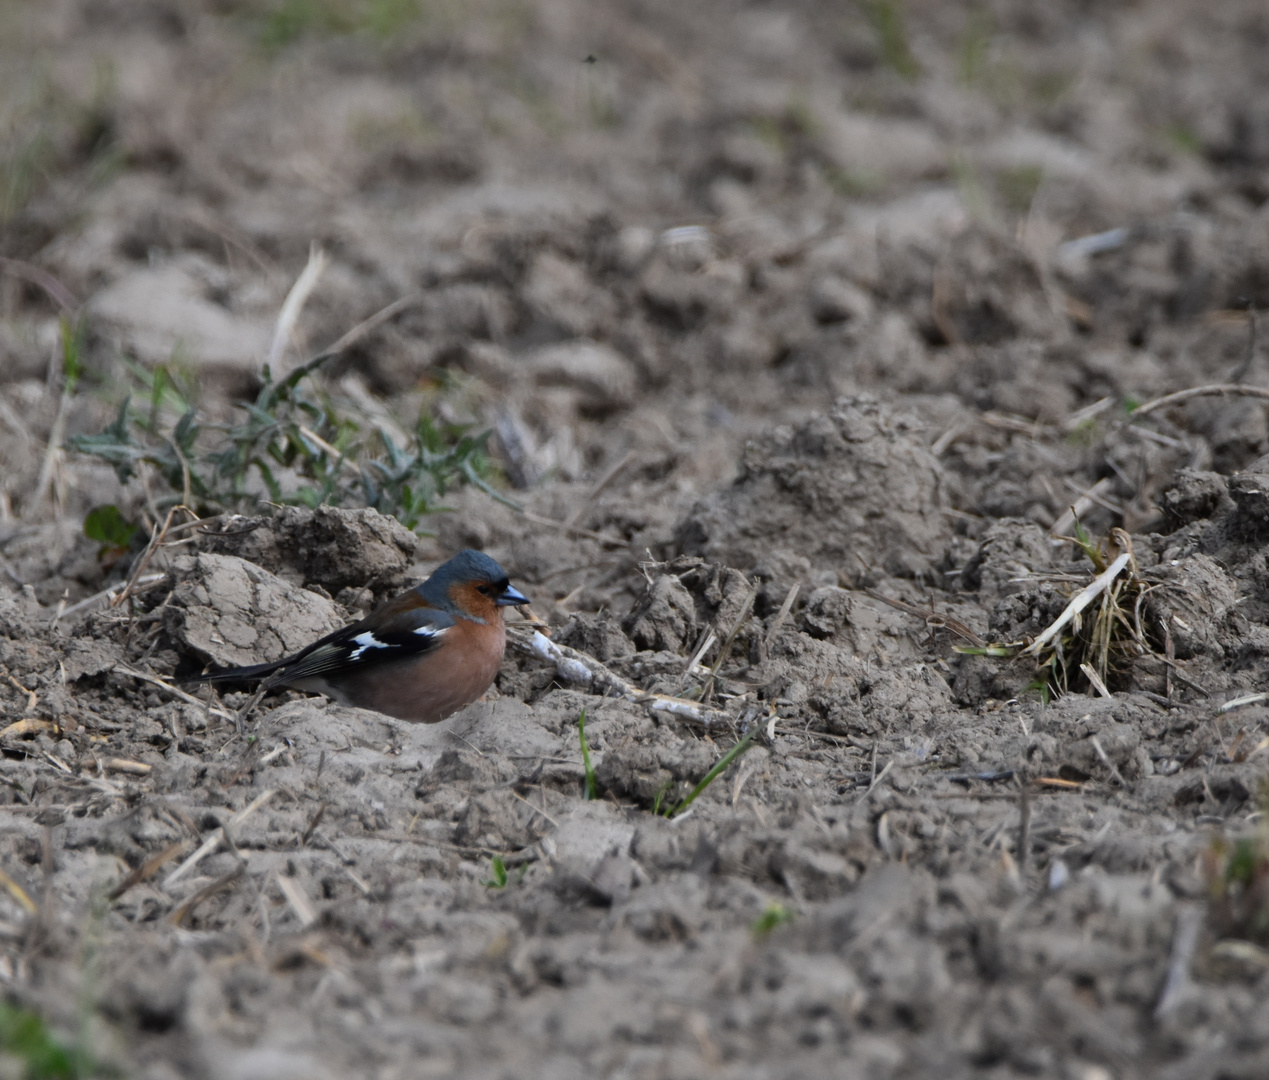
(470, 566)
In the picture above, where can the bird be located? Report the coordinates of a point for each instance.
(421, 656)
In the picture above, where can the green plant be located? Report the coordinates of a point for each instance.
(1237, 876)
(46, 132)
(774, 914)
(1183, 138)
(285, 22)
(891, 29)
(293, 441)
(719, 768)
(975, 48)
(590, 789)
(662, 792)
(498, 874)
(107, 525)
(25, 1037)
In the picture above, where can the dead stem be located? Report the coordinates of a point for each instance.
(294, 304)
(1213, 390)
(576, 667)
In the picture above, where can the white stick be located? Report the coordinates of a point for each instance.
(213, 842)
(1090, 593)
(583, 670)
(294, 304)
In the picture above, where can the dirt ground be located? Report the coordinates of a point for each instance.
(857, 298)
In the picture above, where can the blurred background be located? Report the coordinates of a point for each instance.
(599, 247)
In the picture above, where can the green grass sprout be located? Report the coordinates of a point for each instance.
(719, 768)
(888, 23)
(590, 789)
(25, 1037)
(1237, 875)
(775, 914)
(498, 874)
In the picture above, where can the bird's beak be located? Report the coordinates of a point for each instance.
(511, 597)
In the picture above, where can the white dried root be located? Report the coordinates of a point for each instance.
(582, 670)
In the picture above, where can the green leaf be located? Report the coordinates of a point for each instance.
(1004, 652)
(713, 774)
(498, 870)
(107, 525)
(72, 348)
(775, 914)
(24, 1036)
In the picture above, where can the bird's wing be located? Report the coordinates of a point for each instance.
(401, 629)
(382, 637)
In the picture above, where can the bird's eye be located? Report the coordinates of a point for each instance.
(484, 590)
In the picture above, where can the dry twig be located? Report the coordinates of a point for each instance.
(214, 841)
(1213, 390)
(576, 667)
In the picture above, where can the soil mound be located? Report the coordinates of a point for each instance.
(848, 494)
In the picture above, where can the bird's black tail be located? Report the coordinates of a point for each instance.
(240, 674)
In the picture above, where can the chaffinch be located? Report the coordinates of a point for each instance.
(420, 657)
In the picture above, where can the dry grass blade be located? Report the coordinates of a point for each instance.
(37, 275)
(366, 325)
(1110, 765)
(299, 901)
(1087, 499)
(18, 893)
(146, 870)
(26, 727)
(931, 617)
(600, 485)
(123, 765)
(1185, 938)
(51, 480)
(156, 541)
(326, 448)
(294, 304)
(1088, 412)
(1240, 702)
(575, 530)
(789, 598)
(187, 908)
(1020, 424)
(189, 699)
(1095, 680)
(1213, 390)
(876, 780)
(1089, 645)
(312, 825)
(1082, 599)
(214, 841)
(140, 585)
(1024, 828)
(730, 640)
(707, 643)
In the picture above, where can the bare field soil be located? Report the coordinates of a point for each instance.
(801, 330)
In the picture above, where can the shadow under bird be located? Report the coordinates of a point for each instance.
(420, 657)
